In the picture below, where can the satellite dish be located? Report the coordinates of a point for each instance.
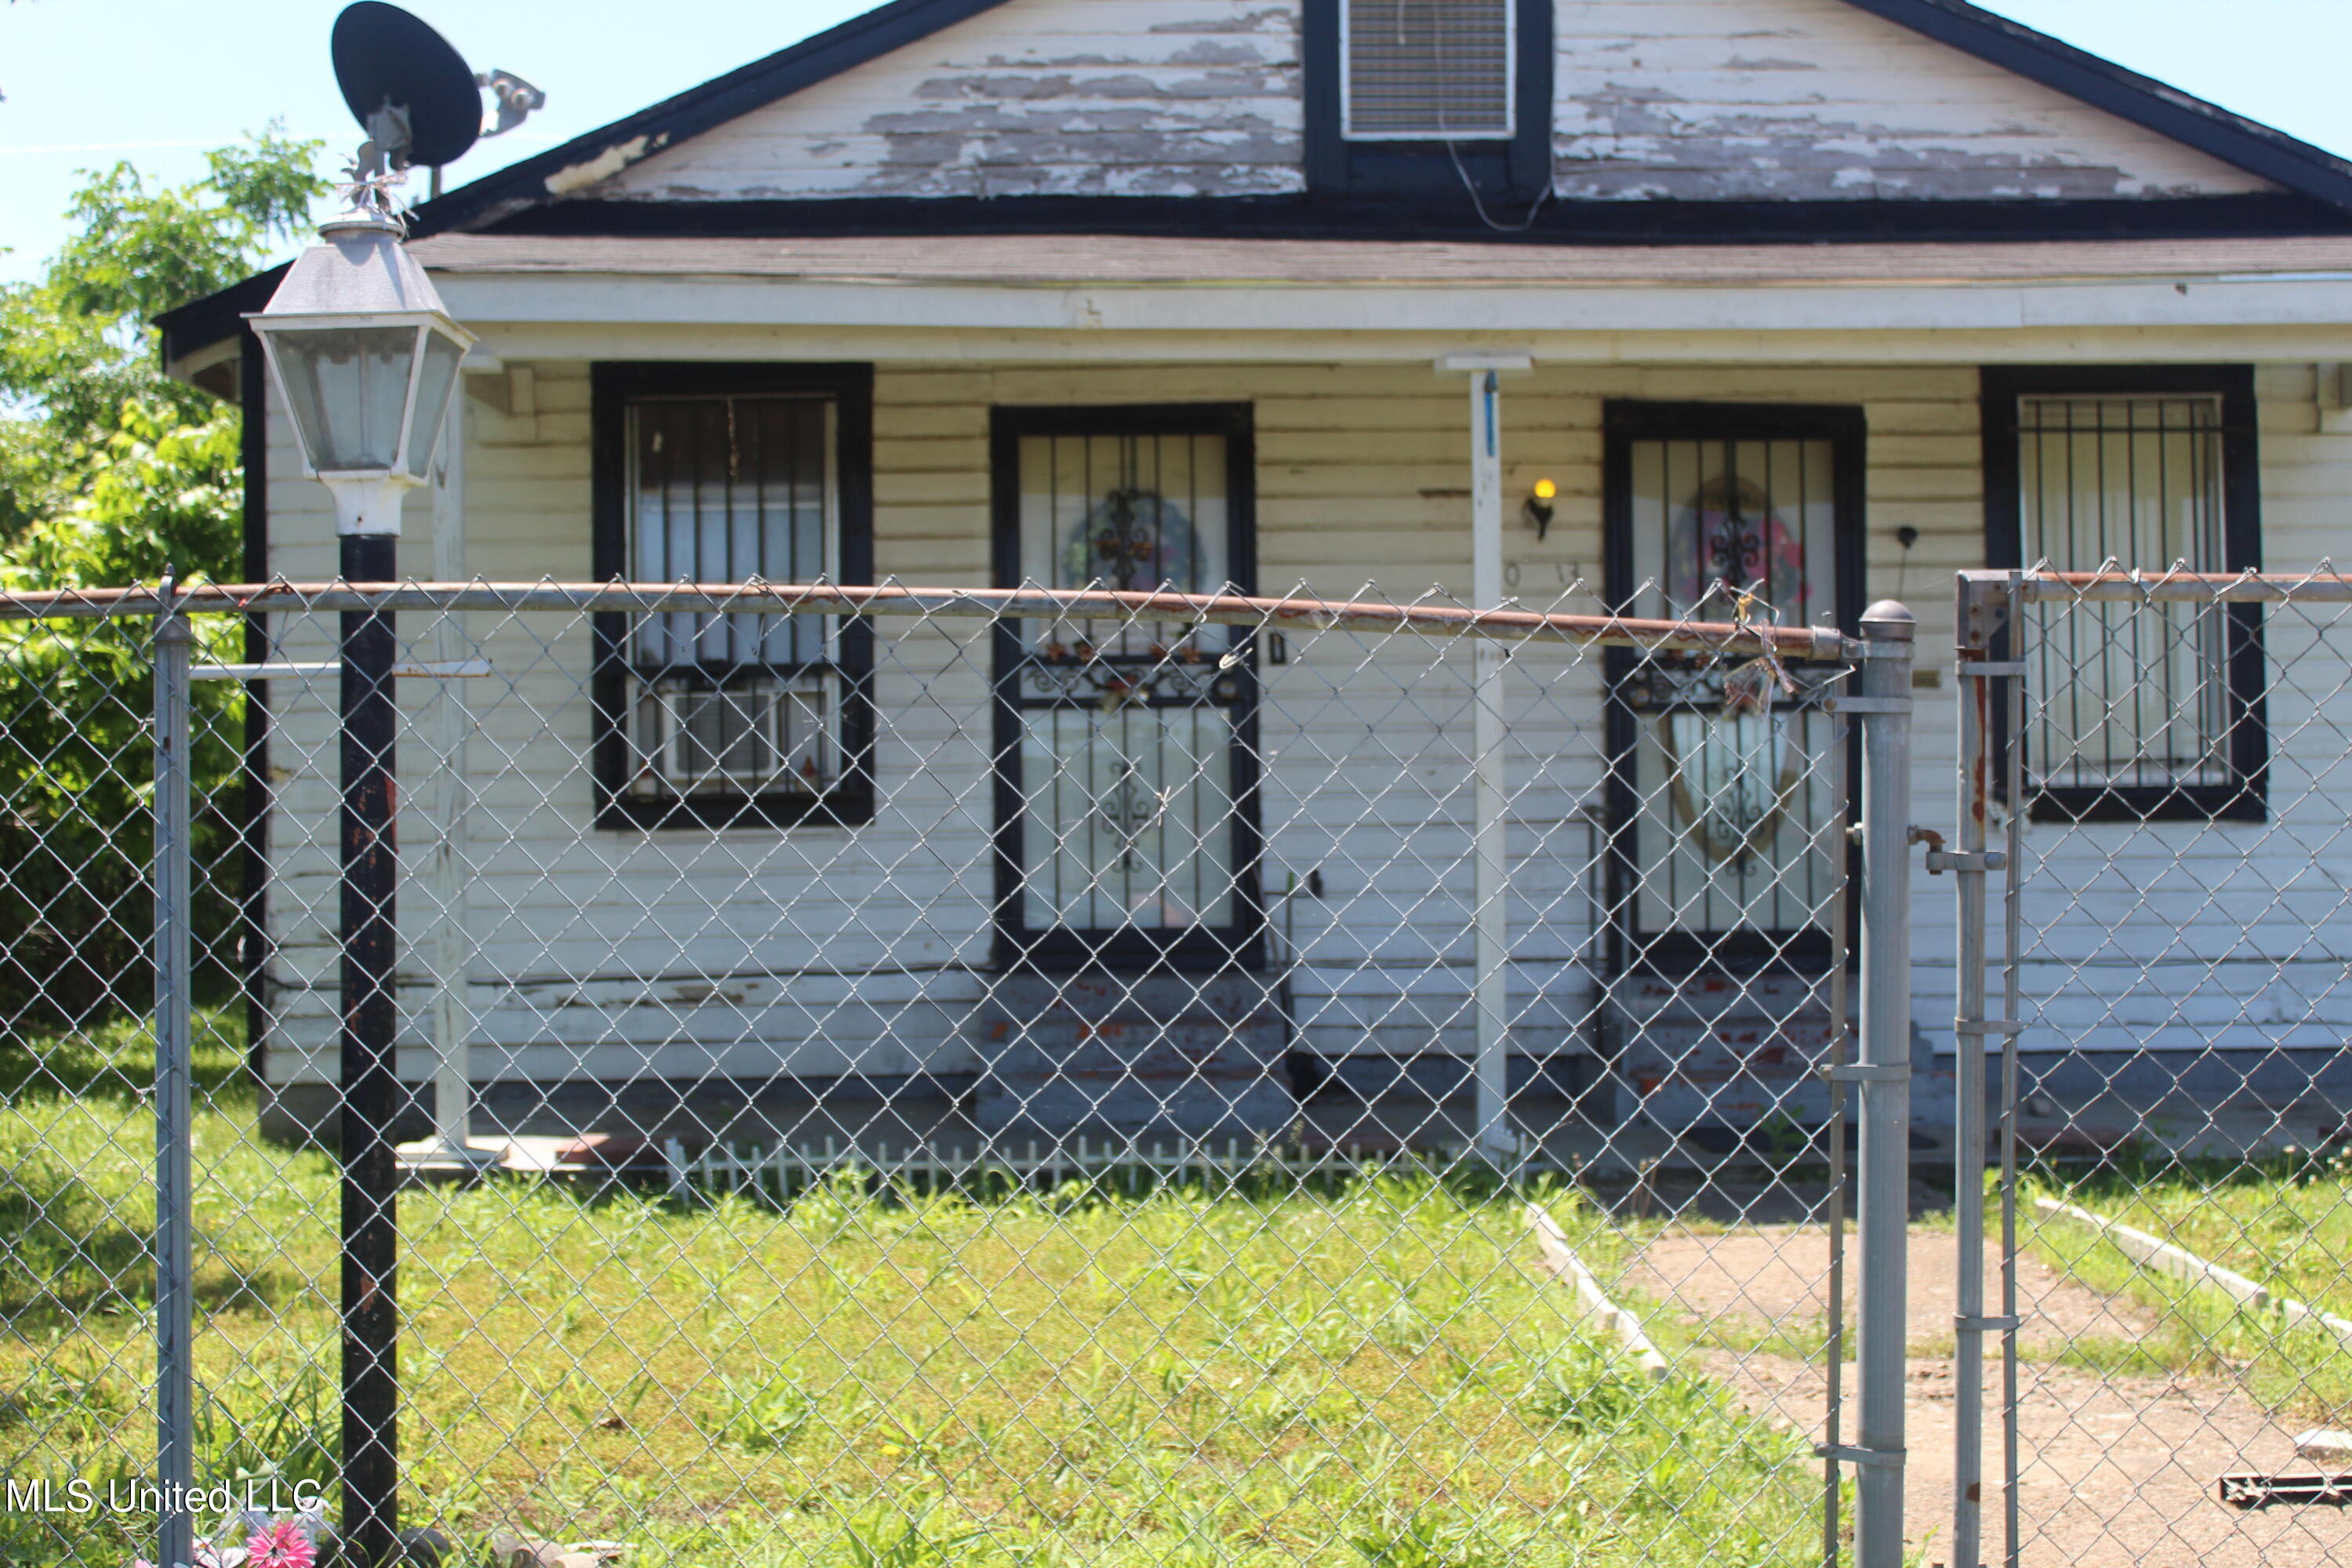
(414, 93)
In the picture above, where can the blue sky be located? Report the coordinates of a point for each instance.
(156, 81)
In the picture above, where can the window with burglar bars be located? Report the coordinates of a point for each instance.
(1427, 70)
(728, 718)
(2139, 708)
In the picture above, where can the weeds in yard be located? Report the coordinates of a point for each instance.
(1243, 1373)
(2285, 1220)
(254, 1427)
(72, 1403)
(1588, 1390)
(882, 1538)
(1422, 1540)
(767, 1416)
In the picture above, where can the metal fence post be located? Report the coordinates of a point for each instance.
(1884, 1166)
(1840, 1044)
(1978, 620)
(452, 1027)
(371, 1087)
(2009, 716)
(175, 1245)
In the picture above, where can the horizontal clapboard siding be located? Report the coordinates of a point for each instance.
(1817, 99)
(1040, 97)
(1688, 100)
(608, 953)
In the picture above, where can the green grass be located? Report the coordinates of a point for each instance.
(1373, 1372)
(2285, 1221)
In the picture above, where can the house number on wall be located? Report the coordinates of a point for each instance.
(1557, 576)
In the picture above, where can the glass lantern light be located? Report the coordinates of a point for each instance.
(366, 358)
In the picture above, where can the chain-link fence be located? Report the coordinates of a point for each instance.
(2157, 765)
(891, 1075)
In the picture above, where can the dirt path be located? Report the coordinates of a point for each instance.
(2116, 1469)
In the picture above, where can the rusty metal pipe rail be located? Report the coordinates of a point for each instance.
(2314, 587)
(987, 604)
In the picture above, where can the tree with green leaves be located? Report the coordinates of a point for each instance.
(110, 474)
(76, 346)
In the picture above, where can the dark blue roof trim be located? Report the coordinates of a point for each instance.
(1363, 218)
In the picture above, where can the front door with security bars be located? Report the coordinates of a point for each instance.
(1127, 829)
(1722, 795)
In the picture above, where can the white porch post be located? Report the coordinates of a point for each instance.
(1490, 991)
(452, 1086)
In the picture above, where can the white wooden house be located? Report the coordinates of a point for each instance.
(1886, 249)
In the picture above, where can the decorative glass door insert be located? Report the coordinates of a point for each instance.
(1723, 802)
(1126, 770)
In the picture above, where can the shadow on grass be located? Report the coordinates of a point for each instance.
(71, 1252)
(115, 1061)
(2131, 1167)
(76, 1206)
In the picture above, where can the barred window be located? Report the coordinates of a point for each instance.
(1427, 70)
(2138, 710)
(725, 490)
(738, 719)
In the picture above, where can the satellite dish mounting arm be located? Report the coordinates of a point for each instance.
(515, 98)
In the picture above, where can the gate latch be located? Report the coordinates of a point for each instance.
(1849, 1455)
(1866, 1072)
(1942, 860)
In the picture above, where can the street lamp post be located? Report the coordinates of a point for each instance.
(365, 359)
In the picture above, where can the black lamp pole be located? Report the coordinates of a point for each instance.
(359, 277)
(370, 1085)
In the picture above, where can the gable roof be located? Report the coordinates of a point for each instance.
(2316, 195)
(2232, 138)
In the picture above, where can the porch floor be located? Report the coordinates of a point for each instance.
(1709, 1168)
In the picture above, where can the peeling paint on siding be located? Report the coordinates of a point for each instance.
(1039, 97)
(1280, 19)
(1690, 99)
(1812, 99)
(602, 166)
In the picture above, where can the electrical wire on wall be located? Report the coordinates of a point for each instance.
(1453, 148)
(1479, 206)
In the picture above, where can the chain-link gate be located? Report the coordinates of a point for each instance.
(903, 1075)
(2153, 780)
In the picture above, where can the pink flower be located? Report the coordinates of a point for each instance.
(282, 1546)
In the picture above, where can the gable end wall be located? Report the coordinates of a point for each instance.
(1036, 98)
(1682, 99)
(1817, 99)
